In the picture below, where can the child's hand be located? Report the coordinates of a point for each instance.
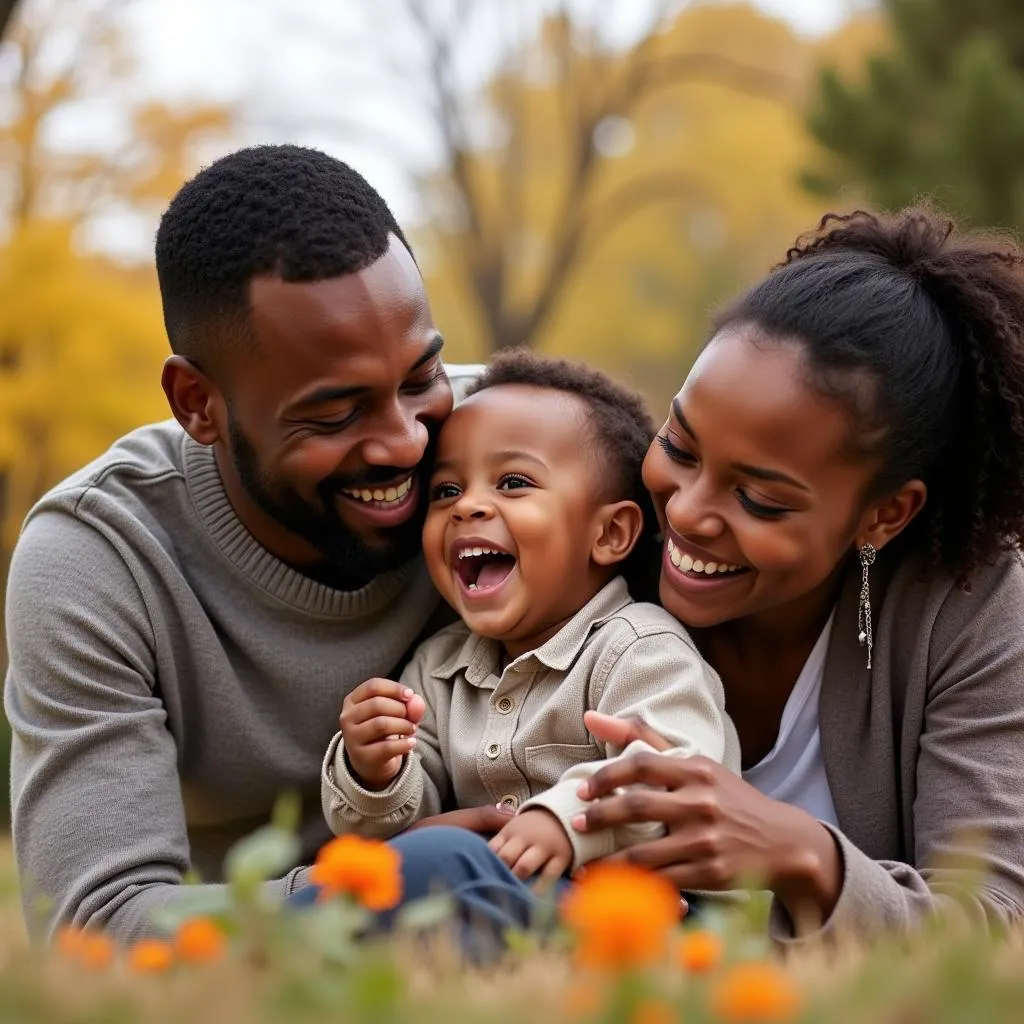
(378, 722)
(532, 843)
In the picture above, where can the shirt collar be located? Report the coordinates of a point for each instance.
(479, 658)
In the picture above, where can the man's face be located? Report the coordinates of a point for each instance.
(329, 424)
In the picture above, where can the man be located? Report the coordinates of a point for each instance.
(186, 614)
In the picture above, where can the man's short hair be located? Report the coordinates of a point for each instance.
(285, 210)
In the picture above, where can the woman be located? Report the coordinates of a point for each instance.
(852, 438)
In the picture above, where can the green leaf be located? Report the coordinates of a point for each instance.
(422, 915)
(204, 901)
(267, 853)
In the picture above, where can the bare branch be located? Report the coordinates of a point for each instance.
(591, 227)
(764, 83)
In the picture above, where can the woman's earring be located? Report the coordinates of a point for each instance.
(867, 558)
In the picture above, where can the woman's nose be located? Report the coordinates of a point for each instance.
(689, 512)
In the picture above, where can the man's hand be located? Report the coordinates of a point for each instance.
(532, 843)
(378, 723)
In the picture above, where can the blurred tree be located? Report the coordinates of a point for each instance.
(621, 195)
(81, 338)
(537, 154)
(6, 10)
(940, 111)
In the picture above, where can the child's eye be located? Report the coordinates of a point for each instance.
(514, 482)
(444, 492)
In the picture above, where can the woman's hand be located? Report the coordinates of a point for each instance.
(721, 831)
(486, 820)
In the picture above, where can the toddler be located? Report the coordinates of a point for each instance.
(536, 512)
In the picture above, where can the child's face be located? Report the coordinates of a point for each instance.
(515, 511)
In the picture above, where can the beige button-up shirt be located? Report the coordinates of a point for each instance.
(515, 735)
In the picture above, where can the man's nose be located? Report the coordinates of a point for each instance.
(399, 439)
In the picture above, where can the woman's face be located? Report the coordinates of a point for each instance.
(757, 498)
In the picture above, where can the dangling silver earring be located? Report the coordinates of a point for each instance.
(867, 559)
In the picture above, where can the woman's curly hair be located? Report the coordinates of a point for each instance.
(919, 329)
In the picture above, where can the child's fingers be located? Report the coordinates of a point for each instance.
(532, 859)
(556, 867)
(373, 707)
(377, 729)
(512, 850)
(415, 708)
(376, 755)
(378, 687)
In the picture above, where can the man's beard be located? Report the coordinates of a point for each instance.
(350, 561)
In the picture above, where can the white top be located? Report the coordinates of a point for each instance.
(793, 771)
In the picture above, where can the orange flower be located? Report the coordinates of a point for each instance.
(91, 949)
(96, 951)
(699, 951)
(368, 870)
(755, 992)
(69, 940)
(653, 1011)
(150, 956)
(199, 941)
(621, 915)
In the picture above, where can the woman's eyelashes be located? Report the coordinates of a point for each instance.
(755, 508)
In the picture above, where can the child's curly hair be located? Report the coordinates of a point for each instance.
(623, 431)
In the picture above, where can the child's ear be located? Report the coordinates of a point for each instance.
(617, 529)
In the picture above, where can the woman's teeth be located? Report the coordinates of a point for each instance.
(385, 495)
(688, 564)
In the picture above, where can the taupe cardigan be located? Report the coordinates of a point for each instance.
(925, 747)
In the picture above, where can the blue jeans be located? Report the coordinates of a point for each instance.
(489, 900)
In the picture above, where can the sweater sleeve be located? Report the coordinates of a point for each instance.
(968, 856)
(415, 792)
(99, 826)
(662, 679)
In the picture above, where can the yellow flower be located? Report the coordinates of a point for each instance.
(150, 956)
(199, 941)
(366, 869)
(621, 915)
(755, 992)
(700, 951)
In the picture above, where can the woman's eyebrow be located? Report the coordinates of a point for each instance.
(758, 472)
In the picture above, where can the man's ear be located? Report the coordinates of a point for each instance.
(882, 521)
(617, 529)
(192, 397)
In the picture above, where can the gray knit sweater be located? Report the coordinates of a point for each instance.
(168, 679)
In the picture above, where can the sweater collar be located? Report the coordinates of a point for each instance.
(248, 557)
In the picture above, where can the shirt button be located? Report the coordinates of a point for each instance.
(493, 750)
(510, 801)
(504, 705)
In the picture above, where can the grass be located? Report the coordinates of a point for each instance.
(279, 968)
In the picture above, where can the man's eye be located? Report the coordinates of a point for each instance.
(443, 492)
(514, 482)
(420, 384)
(327, 426)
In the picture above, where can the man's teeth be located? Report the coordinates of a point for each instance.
(688, 564)
(476, 552)
(388, 495)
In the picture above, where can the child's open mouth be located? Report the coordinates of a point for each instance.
(482, 568)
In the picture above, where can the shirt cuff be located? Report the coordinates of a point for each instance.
(404, 789)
